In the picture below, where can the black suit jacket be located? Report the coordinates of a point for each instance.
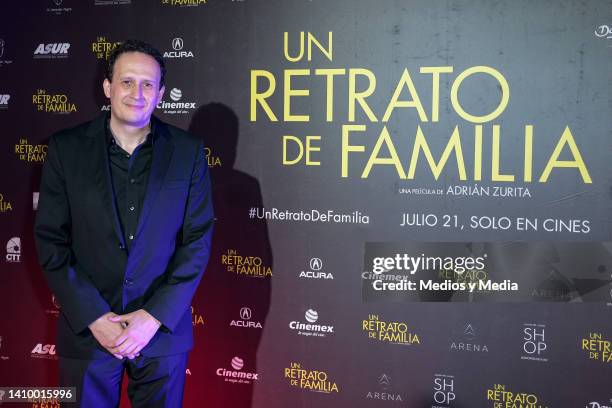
(80, 244)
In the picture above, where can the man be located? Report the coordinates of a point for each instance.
(123, 234)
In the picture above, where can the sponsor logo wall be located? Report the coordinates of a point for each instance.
(412, 198)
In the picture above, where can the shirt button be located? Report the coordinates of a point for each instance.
(132, 181)
(127, 156)
(132, 208)
(121, 246)
(128, 282)
(131, 237)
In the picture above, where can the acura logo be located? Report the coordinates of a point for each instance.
(177, 44)
(245, 313)
(316, 264)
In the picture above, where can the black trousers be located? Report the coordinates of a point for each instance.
(153, 381)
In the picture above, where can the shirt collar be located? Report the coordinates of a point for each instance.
(110, 137)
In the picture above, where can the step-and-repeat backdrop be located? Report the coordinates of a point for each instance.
(413, 198)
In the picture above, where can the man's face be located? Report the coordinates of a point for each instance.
(134, 91)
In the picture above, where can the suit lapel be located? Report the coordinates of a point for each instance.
(102, 176)
(162, 154)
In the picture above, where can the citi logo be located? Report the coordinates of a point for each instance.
(52, 49)
(44, 349)
(177, 46)
(4, 99)
(13, 250)
(245, 316)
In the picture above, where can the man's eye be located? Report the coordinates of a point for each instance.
(148, 86)
(126, 83)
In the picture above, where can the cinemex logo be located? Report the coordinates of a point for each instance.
(385, 392)
(176, 107)
(534, 342)
(236, 375)
(4, 99)
(245, 320)
(467, 342)
(44, 351)
(311, 329)
(443, 390)
(315, 271)
(179, 52)
(13, 250)
(52, 50)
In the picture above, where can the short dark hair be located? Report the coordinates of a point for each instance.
(136, 46)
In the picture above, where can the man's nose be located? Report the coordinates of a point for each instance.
(136, 91)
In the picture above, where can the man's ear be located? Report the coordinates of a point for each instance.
(106, 85)
(160, 94)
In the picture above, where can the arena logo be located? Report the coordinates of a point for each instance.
(389, 332)
(52, 50)
(102, 48)
(13, 250)
(443, 390)
(315, 271)
(310, 328)
(176, 107)
(599, 349)
(2, 49)
(4, 99)
(311, 380)
(251, 266)
(1, 356)
(46, 351)
(31, 153)
(502, 397)
(211, 159)
(534, 342)
(35, 196)
(196, 318)
(183, 3)
(5, 205)
(385, 392)
(177, 46)
(57, 10)
(52, 103)
(467, 343)
(604, 31)
(235, 375)
(245, 320)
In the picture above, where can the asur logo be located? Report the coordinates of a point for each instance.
(52, 50)
(13, 250)
(316, 264)
(4, 100)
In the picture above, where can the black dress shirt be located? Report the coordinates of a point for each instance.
(129, 176)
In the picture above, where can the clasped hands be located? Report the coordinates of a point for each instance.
(125, 335)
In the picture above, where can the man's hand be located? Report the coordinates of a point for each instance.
(140, 328)
(106, 332)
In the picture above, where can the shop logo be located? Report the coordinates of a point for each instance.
(13, 250)
(311, 329)
(52, 50)
(315, 272)
(443, 390)
(245, 315)
(604, 31)
(534, 342)
(384, 393)
(235, 375)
